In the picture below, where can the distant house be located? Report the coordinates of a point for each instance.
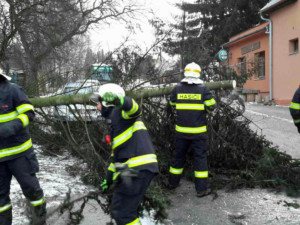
(276, 80)
(247, 50)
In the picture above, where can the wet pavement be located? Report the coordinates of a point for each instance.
(243, 207)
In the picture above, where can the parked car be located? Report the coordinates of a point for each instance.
(79, 111)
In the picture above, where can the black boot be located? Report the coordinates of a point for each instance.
(6, 217)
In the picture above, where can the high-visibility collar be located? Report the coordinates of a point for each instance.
(127, 134)
(16, 149)
(183, 106)
(295, 105)
(191, 130)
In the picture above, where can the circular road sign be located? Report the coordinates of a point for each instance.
(223, 55)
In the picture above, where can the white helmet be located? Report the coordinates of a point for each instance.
(192, 70)
(4, 75)
(110, 88)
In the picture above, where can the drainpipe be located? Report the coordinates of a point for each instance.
(270, 55)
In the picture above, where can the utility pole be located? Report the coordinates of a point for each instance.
(182, 38)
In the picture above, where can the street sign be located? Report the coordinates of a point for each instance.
(223, 55)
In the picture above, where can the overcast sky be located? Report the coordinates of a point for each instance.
(113, 35)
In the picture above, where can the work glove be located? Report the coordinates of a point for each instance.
(107, 182)
(113, 99)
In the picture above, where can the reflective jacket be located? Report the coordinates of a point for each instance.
(131, 142)
(16, 112)
(192, 102)
(295, 108)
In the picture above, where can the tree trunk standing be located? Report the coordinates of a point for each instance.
(146, 93)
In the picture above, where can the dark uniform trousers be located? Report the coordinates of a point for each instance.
(23, 169)
(198, 146)
(127, 197)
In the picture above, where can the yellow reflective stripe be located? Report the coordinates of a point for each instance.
(297, 121)
(24, 119)
(134, 108)
(135, 222)
(15, 150)
(175, 171)
(295, 105)
(194, 70)
(116, 175)
(127, 134)
(172, 103)
(190, 129)
(8, 117)
(141, 160)
(210, 102)
(38, 202)
(190, 106)
(24, 108)
(201, 174)
(5, 207)
(112, 167)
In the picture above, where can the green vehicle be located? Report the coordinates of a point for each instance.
(102, 72)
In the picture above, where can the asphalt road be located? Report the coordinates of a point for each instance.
(276, 124)
(246, 206)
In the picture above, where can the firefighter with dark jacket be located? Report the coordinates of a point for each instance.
(16, 153)
(295, 109)
(192, 101)
(134, 162)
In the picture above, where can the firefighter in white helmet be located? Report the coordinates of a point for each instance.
(192, 101)
(133, 152)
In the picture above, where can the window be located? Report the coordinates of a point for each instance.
(294, 46)
(242, 65)
(260, 57)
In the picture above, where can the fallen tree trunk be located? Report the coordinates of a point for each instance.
(145, 93)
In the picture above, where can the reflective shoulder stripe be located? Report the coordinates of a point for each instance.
(172, 103)
(133, 110)
(210, 102)
(24, 108)
(201, 174)
(5, 207)
(8, 117)
(15, 150)
(135, 222)
(190, 130)
(294, 105)
(38, 202)
(182, 106)
(141, 160)
(112, 167)
(176, 171)
(127, 134)
(24, 119)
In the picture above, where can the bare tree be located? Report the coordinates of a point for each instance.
(44, 25)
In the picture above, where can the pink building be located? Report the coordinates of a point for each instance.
(277, 52)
